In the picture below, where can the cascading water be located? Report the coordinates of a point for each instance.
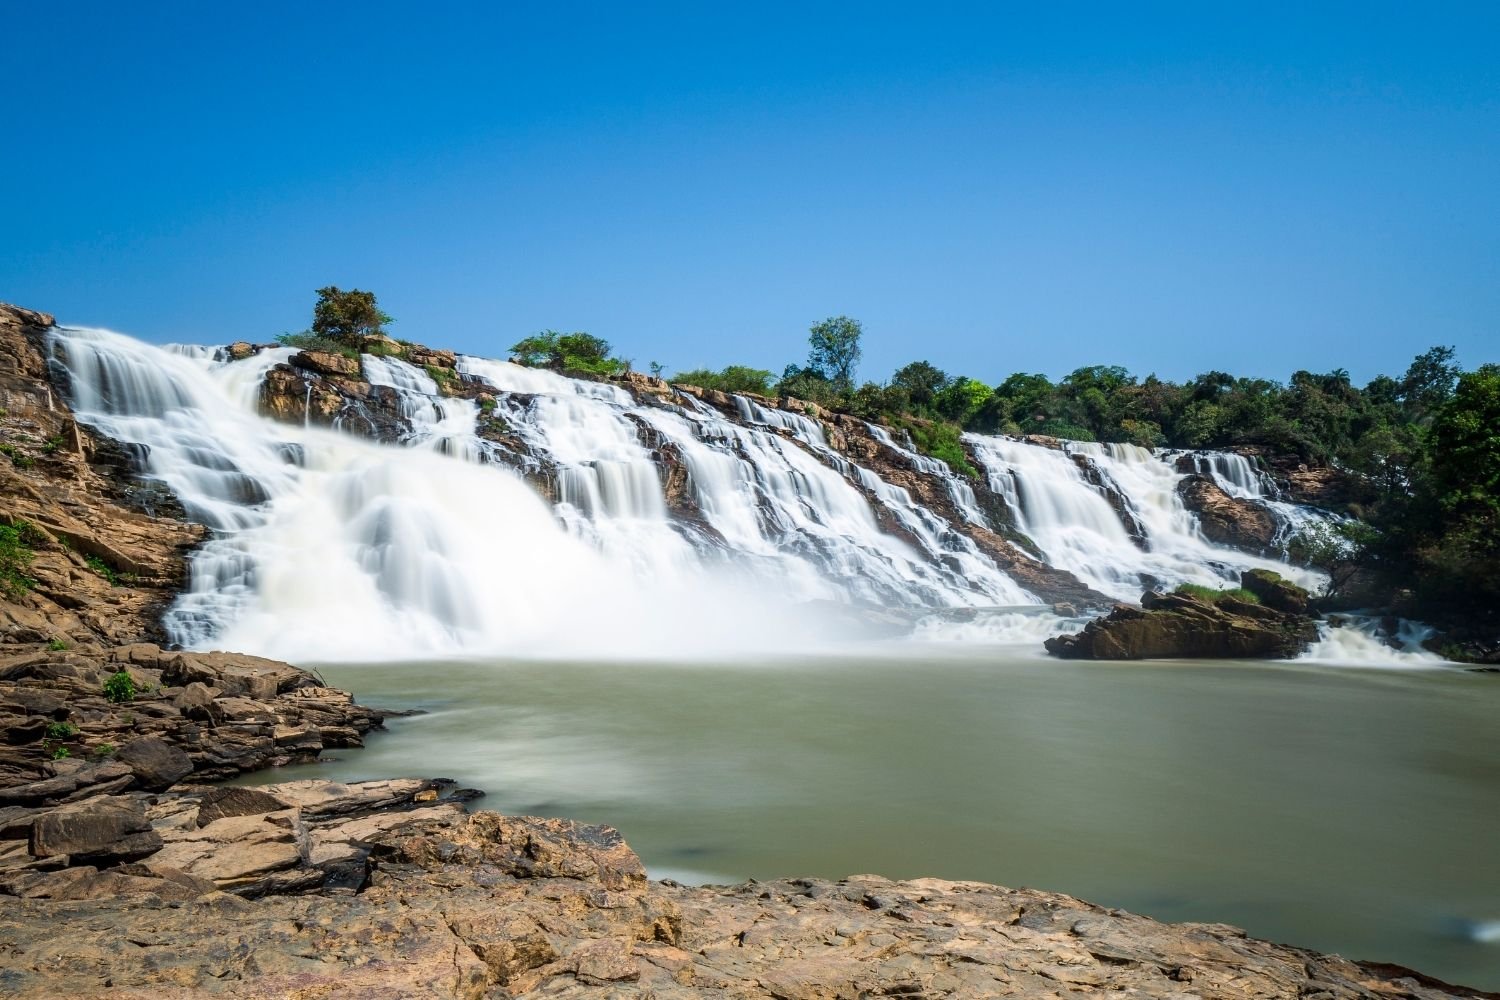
(327, 546)
(1072, 521)
(1238, 476)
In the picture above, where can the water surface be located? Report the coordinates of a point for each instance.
(1348, 810)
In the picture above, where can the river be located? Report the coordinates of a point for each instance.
(1351, 810)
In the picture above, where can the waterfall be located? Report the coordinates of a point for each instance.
(573, 517)
(1073, 523)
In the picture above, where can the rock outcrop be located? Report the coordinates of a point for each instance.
(106, 548)
(1171, 626)
(1227, 520)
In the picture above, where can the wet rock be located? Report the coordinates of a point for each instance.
(156, 764)
(103, 830)
(1274, 591)
(1226, 520)
(1168, 626)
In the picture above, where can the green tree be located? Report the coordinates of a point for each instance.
(922, 382)
(347, 317)
(835, 351)
(576, 352)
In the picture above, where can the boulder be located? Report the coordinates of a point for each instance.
(157, 764)
(1169, 626)
(1226, 520)
(1274, 591)
(100, 831)
(326, 363)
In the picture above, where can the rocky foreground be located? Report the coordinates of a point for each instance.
(124, 876)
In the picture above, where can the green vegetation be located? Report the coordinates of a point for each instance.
(61, 731)
(571, 352)
(735, 378)
(61, 753)
(940, 441)
(15, 559)
(17, 457)
(442, 376)
(104, 569)
(312, 342)
(1213, 596)
(58, 645)
(348, 317)
(103, 750)
(53, 444)
(120, 687)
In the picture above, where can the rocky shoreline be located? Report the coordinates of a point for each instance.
(123, 875)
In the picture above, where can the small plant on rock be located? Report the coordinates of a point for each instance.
(104, 569)
(58, 645)
(61, 753)
(120, 687)
(15, 560)
(104, 750)
(61, 731)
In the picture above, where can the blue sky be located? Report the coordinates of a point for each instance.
(991, 187)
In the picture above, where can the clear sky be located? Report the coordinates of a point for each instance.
(992, 187)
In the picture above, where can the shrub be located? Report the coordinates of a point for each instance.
(58, 645)
(940, 441)
(104, 569)
(15, 560)
(18, 458)
(61, 731)
(104, 750)
(61, 753)
(312, 342)
(442, 376)
(734, 378)
(120, 687)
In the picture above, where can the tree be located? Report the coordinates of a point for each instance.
(835, 350)
(578, 352)
(1430, 380)
(921, 381)
(347, 317)
(734, 378)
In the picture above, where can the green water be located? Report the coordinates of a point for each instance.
(1349, 810)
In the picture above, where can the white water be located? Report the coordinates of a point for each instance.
(1357, 640)
(1074, 525)
(326, 546)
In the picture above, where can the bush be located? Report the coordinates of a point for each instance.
(120, 687)
(15, 560)
(734, 378)
(940, 441)
(104, 569)
(312, 342)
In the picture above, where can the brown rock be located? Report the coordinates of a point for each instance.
(1227, 520)
(222, 802)
(103, 830)
(1168, 626)
(326, 363)
(157, 765)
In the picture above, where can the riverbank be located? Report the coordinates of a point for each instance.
(320, 888)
